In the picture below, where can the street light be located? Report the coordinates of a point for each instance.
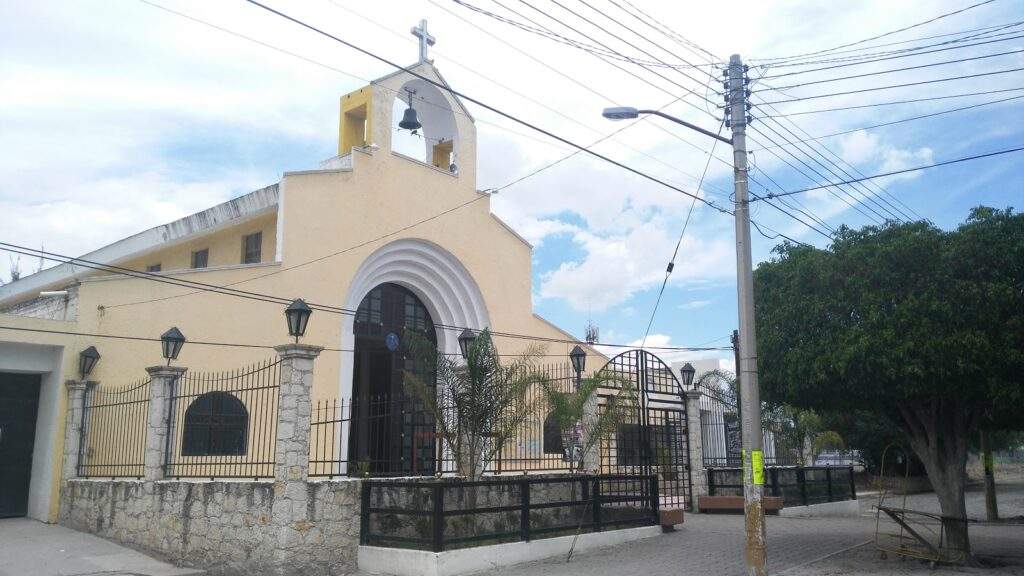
(297, 314)
(627, 113)
(171, 343)
(86, 360)
(466, 340)
(737, 102)
(579, 361)
(687, 372)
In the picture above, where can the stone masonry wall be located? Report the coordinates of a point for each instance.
(226, 527)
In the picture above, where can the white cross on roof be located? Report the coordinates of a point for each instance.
(425, 39)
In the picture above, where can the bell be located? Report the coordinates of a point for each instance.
(409, 120)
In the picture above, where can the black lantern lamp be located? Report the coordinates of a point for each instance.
(409, 119)
(86, 360)
(579, 362)
(297, 313)
(171, 342)
(687, 372)
(466, 340)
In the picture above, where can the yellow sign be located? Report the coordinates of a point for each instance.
(757, 458)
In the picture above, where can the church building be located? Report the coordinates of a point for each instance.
(374, 240)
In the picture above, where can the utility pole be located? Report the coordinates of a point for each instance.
(750, 398)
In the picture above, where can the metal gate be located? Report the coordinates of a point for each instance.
(654, 437)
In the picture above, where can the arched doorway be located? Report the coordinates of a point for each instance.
(391, 431)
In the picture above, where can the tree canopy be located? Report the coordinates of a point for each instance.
(920, 326)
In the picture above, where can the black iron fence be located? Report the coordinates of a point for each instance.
(445, 514)
(388, 436)
(797, 485)
(113, 442)
(224, 424)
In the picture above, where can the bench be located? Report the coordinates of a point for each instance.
(772, 504)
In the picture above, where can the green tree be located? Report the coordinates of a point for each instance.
(477, 404)
(922, 326)
(578, 415)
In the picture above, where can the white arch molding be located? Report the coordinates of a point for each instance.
(435, 276)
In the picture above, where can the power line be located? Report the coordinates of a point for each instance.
(712, 59)
(256, 296)
(900, 121)
(883, 35)
(270, 347)
(892, 70)
(507, 88)
(893, 86)
(895, 102)
(887, 56)
(969, 34)
(904, 171)
(814, 145)
(591, 38)
(672, 263)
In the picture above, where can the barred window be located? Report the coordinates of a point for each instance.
(252, 245)
(201, 258)
(216, 424)
(553, 436)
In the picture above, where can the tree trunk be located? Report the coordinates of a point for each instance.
(937, 431)
(991, 508)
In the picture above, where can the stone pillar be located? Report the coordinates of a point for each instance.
(290, 509)
(74, 419)
(696, 458)
(592, 457)
(294, 411)
(163, 383)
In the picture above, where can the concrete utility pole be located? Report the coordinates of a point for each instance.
(750, 398)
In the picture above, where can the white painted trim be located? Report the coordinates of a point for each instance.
(45, 361)
(435, 276)
(403, 562)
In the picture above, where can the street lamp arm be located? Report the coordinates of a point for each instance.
(687, 124)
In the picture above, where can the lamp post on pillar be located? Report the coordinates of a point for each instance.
(75, 419)
(163, 380)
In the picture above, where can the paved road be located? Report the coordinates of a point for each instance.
(713, 544)
(31, 548)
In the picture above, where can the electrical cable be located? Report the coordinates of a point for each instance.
(1010, 36)
(869, 194)
(891, 70)
(672, 262)
(904, 171)
(893, 86)
(271, 347)
(890, 33)
(896, 102)
(991, 31)
(900, 121)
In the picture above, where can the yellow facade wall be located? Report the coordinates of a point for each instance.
(225, 246)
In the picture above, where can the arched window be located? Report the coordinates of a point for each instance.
(553, 436)
(216, 424)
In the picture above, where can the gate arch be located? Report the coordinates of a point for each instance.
(655, 438)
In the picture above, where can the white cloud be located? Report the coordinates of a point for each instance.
(694, 304)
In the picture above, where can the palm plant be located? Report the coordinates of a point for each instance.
(582, 424)
(478, 405)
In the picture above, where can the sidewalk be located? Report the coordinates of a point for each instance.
(32, 548)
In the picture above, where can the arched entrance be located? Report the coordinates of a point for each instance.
(391, 432)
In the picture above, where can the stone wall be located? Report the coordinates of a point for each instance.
(226, 527)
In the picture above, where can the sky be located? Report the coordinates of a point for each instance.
(119, 115)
